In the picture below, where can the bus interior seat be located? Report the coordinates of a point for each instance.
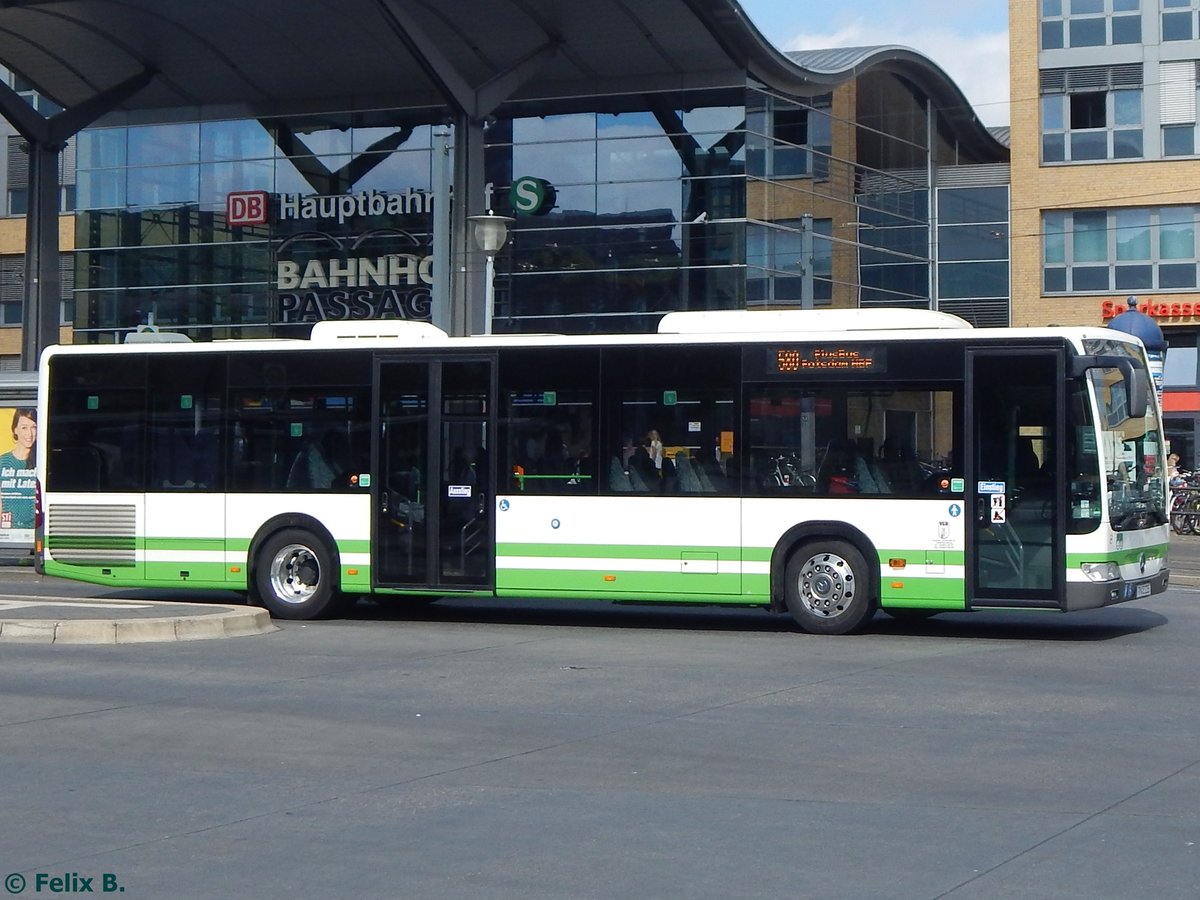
(864, 477)
(689, 483)
(618, 479)
(636, 482)
(297, 476)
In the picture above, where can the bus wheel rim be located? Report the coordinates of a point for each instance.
(826, 585)
(295, 573)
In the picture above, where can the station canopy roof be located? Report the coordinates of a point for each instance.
(158, 60)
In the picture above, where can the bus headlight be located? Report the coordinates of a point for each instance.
(1101, 571)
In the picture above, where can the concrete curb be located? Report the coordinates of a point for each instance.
(222, 621)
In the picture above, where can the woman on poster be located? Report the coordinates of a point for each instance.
(17, 472)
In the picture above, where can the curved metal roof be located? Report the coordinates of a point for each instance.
(160, 59)
(837, 65)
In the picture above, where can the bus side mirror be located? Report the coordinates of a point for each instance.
(1137, 388)
(1137, 380)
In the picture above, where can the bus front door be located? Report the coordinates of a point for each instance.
(1016, 545)
(433, 525)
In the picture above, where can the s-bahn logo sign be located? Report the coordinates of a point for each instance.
(531, 196)
(384, 273)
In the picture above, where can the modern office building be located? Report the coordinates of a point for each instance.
(711, 172)
(1105, 167)
(14, 191)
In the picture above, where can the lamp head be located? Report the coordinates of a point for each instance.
(491, 231)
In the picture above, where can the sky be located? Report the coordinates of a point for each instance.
(966, 38)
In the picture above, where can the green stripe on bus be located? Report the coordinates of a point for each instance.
(359, 581)
(609, 551)
(921, 557)
(600, 584)
(629, 596)
(197, 572)
(91, 542)
(756, 585)
(923, 592)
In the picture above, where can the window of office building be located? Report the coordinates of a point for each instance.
(1091, 114)
(1135, 249)
(1090, 23)
(1179, 19)
(1180, 366)
(893, 234)
(17, 171)
(152, 236)
(647, 213)
(973, 253)
(1177, 106)
(790, 263)
(12, 289)
(790, 139)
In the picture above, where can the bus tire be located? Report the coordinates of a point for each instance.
(295, 574)
(828, 588)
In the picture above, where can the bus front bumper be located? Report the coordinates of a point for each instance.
(1090, 595)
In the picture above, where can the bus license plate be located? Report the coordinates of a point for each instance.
(1143, 590)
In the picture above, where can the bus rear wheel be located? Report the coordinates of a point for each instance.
(828, 588)
(295, 575)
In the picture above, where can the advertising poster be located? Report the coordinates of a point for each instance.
(18, 437)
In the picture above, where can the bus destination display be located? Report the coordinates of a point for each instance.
(832, 358)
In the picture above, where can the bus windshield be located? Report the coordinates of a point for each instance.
(1131, 452)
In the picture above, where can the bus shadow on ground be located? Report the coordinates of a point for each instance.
(586, 613)
(1080, 627)
(1098, 625)
(1087, 626)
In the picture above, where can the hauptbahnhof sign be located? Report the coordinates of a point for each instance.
(344, 256)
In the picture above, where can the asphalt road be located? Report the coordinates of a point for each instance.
(1184, 558)
(559, 750)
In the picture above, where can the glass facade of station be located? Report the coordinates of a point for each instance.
(720, 199)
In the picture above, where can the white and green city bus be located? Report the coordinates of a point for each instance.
(824, 463)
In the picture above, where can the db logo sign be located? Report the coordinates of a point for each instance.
(246, 208)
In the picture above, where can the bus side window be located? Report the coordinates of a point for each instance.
(548, 422)
(186, 410)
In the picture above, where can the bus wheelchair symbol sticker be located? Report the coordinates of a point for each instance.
(504, 506)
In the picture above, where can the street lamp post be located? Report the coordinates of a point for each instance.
(491, 233)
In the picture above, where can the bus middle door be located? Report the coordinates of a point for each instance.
(433, 526)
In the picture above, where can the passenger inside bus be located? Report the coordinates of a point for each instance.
(320, 463)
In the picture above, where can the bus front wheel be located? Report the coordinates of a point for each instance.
(295, 575)
(828, 587)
